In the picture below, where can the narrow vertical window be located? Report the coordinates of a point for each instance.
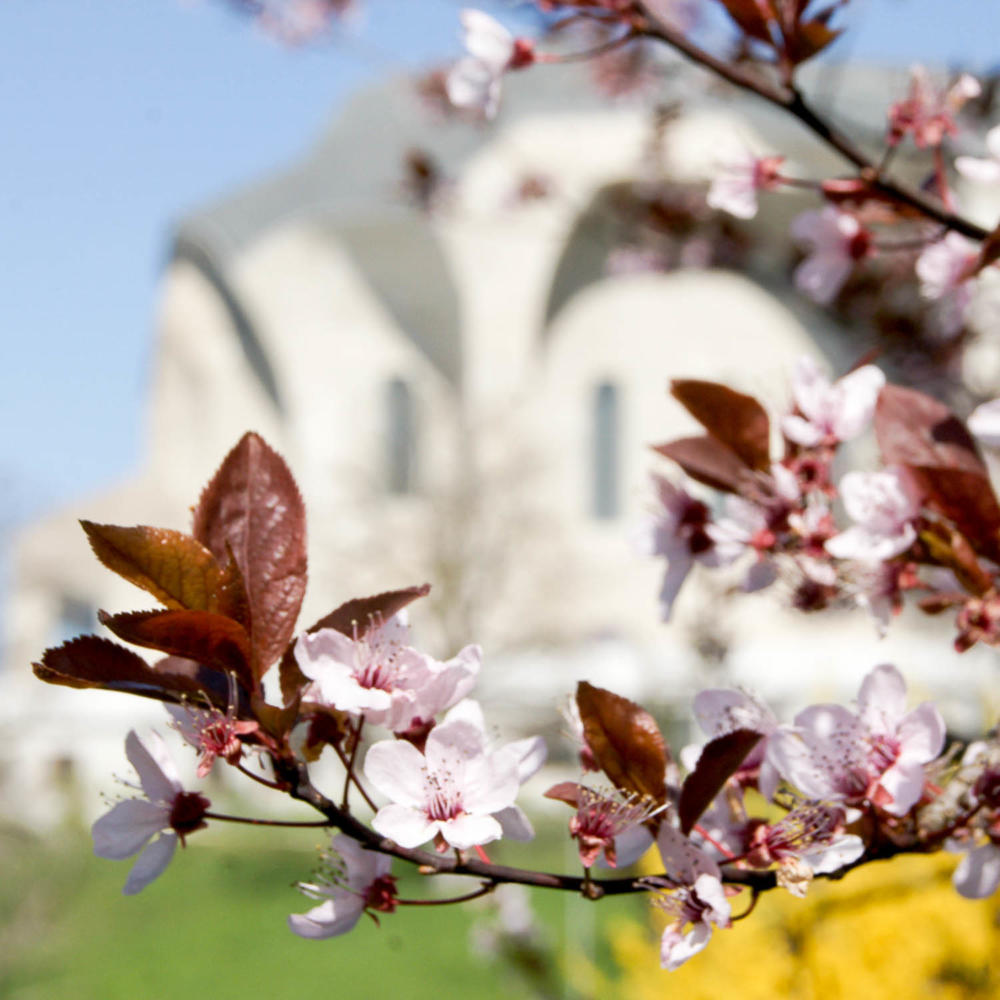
(399, 437)
(606, 421)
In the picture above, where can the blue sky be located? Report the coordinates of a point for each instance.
(118, 117)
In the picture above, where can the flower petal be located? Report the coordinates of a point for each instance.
(407, 826)
(122, 832)
(151, 863)
(335, 916)
(978, 873)
(397, 768)
(152, 763)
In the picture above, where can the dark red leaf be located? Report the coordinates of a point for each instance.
(915, 429)
(719, 760)
(625, 740)
(736, 420)
(211, 640)
(92, 662)
(707, 461)
(966, 499)
(353, 618)
(749, 18)
(252, 509)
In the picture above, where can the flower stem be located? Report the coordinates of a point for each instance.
(266, 822)
(483, 890)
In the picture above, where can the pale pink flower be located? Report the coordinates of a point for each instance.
(678, 531)
(474, 82)
(168, 814)
(450, 791)
(734, 189)
(381, 677)
(984, 171)
(752, 525)
(836, 241)
(884, 509)
(946, 270)
(609, 822)
(876, 754)
(928, 111)
(529, 755)
(211, 731)
(984, 423)
(978, 873)
(351, 881)
(831, 412)
(691, 895)
(807, 841)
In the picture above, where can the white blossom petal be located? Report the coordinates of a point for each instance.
(151, 863)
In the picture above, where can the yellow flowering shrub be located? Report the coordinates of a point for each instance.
(894, 929)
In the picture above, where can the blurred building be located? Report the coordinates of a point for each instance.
(460, 338)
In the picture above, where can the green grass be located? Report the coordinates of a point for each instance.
(214, 925)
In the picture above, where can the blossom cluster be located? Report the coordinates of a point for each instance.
(835, 787)
(924, 522)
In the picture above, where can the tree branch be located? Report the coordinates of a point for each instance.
(789, 99)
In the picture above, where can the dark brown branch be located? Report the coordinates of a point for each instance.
(301, 788)
(789, 99)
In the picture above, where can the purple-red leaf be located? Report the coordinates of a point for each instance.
(967, 499)
(915, 429)
(211, 640)
(353, 618)
(625, 740)
(749, 18)
(719, 760)
(253, 510)
(92, 662)
(707, 461)
(736, 420)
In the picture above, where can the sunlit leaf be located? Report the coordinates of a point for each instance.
(252, 509)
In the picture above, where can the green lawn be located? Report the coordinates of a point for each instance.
(214, 926)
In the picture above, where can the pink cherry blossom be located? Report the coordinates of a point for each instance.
(984, 171)
(381, 677)
(978, 873)
(678, 531)
(608, 822)
(168, 814)
(884, 508)
(351, 881)
(529, 754)
(928, 111)
(831, 412)
(691, 895)
(213, 732)
(946, 270)
(835, 241)
(752, 525)
(809, 840)
(876, 754)
(452, 789)
(734, 189)
(474, 82)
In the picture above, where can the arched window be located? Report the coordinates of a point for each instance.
(400, 438)
(604, 451)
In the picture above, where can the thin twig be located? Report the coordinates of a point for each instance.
(792, 101)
